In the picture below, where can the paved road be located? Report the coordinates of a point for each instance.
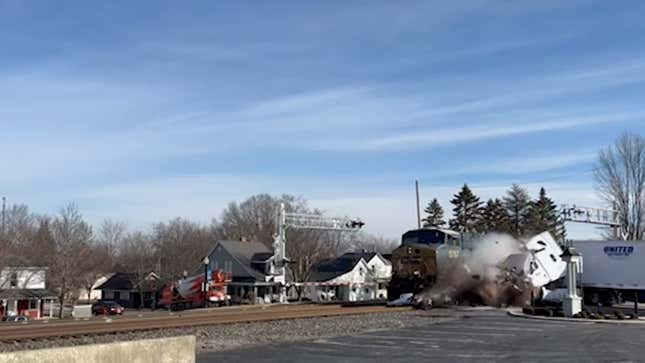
(478, 336)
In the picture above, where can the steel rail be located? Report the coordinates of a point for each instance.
(93, 327)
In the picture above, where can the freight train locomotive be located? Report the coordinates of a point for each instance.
(445, 261)
(421, 257)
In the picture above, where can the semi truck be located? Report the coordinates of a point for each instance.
(191, 292)
(612, 271)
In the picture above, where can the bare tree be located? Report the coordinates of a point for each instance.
(20, 227)
(364, 241)
(138, 254)
(42, 246)
(100, 261)
(72, 258)
(620, 180)
(255, 219)
(180, 245)
(111, 234)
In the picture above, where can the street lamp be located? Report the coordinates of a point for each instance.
(205, 287)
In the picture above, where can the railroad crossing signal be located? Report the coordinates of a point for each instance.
(302, 221)
(589, 215)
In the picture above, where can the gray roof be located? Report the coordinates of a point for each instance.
(330, 268)
(262, 257)
(26, 294)
(124, 281)
(367, 256)
(244, 252)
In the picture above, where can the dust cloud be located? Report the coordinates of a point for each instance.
(477, 277)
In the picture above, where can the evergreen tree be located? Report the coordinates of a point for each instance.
(466, 211)
(517, 202)
(494, 217)
(434, 216)
(543, 216)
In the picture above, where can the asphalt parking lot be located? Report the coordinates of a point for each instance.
(474, 336)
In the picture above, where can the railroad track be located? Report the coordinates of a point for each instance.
(35, 331)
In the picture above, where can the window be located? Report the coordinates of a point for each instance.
(533, 266)
(14, 279)
(33, 304)
(117, 295)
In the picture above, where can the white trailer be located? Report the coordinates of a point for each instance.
(613, 270)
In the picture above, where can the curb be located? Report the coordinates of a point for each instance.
(519, 314)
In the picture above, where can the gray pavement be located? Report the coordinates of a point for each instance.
(474, 336)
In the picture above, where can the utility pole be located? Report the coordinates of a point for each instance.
(416, 187)
(4, 215)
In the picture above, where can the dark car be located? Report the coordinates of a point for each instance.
(107, 308)
(16, 319)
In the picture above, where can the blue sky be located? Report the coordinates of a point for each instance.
(148, 110)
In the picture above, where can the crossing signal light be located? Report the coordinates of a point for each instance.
(357, 224)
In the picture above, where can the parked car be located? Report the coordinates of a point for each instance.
(16, 319)
(107, 308)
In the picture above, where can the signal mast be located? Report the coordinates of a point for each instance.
(589, 215)
(285, 221)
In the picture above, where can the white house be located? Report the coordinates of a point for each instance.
(357, 276)
(23, 291)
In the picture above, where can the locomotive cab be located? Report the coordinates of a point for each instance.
(431, 236)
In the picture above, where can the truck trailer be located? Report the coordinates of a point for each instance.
(612, 271)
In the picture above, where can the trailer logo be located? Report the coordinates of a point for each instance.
(618, 251)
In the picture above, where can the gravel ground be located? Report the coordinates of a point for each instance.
(231, 336)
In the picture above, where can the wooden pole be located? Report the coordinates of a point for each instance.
(416, 187)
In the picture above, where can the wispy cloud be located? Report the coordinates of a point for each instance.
(430, 138)
(526, 164)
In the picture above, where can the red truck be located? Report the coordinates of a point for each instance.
(189, 292)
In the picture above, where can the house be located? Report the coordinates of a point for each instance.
(248, 263)
(126, 289)
(93, 294)
(23, 291)
(354, 276)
